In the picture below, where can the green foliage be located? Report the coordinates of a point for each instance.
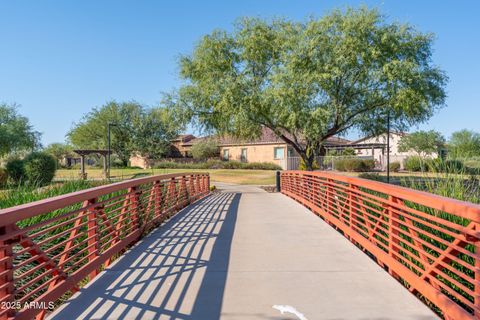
(302, 165)
(40, 168)
(414, 163)
(354, 165)
(372, 176)
(59, 151)
(218, 164)
(464, 143)
(15, 170)
(135, 129)
(32, 192)
(16, 133)
(3, 177)
(394, 166)
(205, 149)
(424, 143)
(308, 81)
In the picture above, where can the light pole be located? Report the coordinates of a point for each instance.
(109, 125)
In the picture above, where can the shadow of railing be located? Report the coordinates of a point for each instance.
(178, 271)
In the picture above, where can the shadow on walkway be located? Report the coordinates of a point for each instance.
(179, 271)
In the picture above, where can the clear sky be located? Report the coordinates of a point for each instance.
(58, 59)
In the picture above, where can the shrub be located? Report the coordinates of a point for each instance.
(302, 165)
(354, 165)
(394, 166)
(205, 149)
(447, 166)
(15, 170)
(3, 176)
(218, 164)
(372, 176)
(414, 163)
(40, 168)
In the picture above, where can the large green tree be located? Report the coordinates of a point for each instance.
(424, 143)
(464, 143)
(16, 132)
(308, 81)
(136, 129)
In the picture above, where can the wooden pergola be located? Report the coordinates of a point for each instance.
(85, 152)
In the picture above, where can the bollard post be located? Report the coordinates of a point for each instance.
(278, 181)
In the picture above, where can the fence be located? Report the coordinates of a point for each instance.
(429, 243)
(49, 247)
(326, 162)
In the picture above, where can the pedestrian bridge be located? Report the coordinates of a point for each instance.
(165, 247)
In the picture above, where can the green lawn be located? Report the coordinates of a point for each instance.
(255, 177)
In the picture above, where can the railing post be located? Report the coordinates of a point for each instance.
(277, 180)
(6, 280)
(93, 239)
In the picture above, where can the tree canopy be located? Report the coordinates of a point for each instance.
(135, 129)
(308, 81)
(16, 132)
(424, 143)
(59, 150)
(464, 143)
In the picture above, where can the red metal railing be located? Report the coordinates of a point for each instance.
(427, 242)
(50, 247)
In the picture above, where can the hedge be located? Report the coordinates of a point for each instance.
(354, 165)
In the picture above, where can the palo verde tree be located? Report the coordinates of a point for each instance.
(424, 143)
(308, 81)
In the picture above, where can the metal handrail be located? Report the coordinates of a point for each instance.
(49, 247)
(427, 242)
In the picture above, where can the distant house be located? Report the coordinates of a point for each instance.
(376, 147)
(270, 148)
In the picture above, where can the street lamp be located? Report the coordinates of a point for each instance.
(110, 124)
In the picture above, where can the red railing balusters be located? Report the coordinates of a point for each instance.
(71, 237)
(429, 243)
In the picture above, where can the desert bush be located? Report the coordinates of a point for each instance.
(40, 168)
(354, 165)
(414, 163)
(372, 176)
(218, 164)
(394, 166)
(15, 170)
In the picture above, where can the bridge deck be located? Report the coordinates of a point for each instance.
(236, 254)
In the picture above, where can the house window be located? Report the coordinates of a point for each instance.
(243, 155)
(225, 154)
(278, 153)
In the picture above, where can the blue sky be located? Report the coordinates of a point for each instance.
(58, 59)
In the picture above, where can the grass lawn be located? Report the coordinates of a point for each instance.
(255, 177)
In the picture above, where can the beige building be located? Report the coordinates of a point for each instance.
(376, 147)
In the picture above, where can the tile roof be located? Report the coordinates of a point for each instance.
(267, 136)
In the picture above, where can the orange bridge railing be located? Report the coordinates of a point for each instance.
(51, 247)
(427, 242)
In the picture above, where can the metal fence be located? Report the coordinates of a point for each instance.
(49, 247)
(427, 242)
(326, 162)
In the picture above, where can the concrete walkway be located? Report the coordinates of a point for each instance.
(236, 254)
